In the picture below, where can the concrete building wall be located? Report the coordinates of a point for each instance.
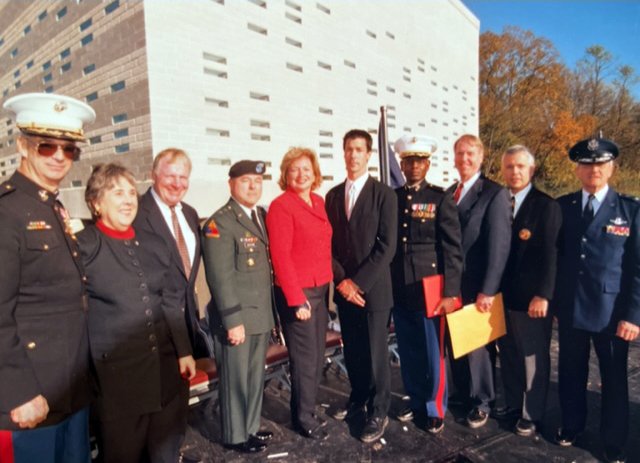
(230, 80)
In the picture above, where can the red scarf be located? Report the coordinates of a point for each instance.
(127, 234)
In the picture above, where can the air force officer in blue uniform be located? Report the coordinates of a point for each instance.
(597, 295)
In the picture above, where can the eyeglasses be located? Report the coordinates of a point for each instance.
(49, 149)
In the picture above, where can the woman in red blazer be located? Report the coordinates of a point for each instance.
(300, 243)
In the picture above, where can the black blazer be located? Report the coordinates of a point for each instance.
(136, 328)
(150, 219)
(485, 219)
(364, 246)
(531, 268)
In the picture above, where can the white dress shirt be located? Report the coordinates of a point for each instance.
(359, 185)
(466, 186)
(189, 236)
(520, 196)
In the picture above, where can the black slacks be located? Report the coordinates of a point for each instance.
(306, 342)
(366, 355)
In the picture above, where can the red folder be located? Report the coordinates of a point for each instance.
(433, 287)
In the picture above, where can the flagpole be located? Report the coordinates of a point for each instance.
(383, 144)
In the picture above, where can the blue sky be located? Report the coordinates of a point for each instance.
(571, 25)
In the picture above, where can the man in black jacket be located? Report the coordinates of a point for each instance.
(44, 347)
(363, 214)
(527, 285)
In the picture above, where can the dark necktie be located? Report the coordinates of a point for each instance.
(458, 192)
(513, 208)
(182, 244)
(587, 213)
(254, 219)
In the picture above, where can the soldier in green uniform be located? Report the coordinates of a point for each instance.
(236, 258)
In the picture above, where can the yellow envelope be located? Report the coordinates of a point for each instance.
(470, 329)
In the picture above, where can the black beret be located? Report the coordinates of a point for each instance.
(245, 167)
(593, 150)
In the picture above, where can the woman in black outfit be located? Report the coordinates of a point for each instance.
(137, 332)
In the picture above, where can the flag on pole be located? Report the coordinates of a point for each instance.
(390, 173)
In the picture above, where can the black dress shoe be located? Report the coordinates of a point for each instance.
(525, 428)
(374, 429)
(506, 413)
(565, 437)
(477, 418)
(262, 436)
(250, 446)
(348, 411)
(405, 415)
(613, 454)
(434, 425)
(316, 433)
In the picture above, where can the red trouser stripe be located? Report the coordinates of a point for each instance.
(442, 376)
(6, 447)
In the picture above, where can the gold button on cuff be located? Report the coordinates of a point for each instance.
(31, 345)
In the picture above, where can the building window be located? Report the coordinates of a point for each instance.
(215, 72)
(421, 124)
(433, 68)
(390, 35)
(325, 110)
(61, 13)
(121, 133)
(29, 64)
(326, 144)
(26, 30)
(47, 78)
(89, 69)
(91, 97)
(256, 28)
(406, 78)
(328, 178)
(86, 24)
(293, 5)
(294, 67)
(323, 8)
(217, 132)
(65, 67)
(293, 18)
(324, 65)
(350, 64)
(76, 183)
(119, 149)
(326, 156)
(219, 161)
(95, 140)
(16, 74)
(14, 52)
(420, 68)
(293, 42)
(87, 39)
(1, 41)
(18, 84)
(325, 133)
(260, 3)
(216, 102)
(214, 58)
(372, 92)
(42, 16)
(64, 53)
(259, 96)
(258, 123)
(117, 86)
(46, 65)
(372, 111)
(260, 137)
(371, 34)
(110, 8)
(119, 118)
(391, 89)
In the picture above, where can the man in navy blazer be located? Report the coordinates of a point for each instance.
(597, 295)
(158, 207)
(485, 220)
(363, 215)
(527, 287)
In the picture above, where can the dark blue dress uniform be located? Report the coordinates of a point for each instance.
(44, 346)
(598, 285)
(429, 243)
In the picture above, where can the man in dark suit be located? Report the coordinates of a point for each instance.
(527, 288)
(44, 347)
(236, 259)
(597, 295)
(485, 219)
(163, 213)
(363, 214)
(429, 243)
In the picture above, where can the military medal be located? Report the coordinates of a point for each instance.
(524, 234)
(38, 225)
(618, 230)
(423, 211)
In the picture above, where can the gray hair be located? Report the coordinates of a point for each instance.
(515, 149)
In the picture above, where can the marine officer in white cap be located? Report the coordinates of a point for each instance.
(429, 243)
(44, 352)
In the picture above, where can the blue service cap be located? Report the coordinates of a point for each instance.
(593, 151)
